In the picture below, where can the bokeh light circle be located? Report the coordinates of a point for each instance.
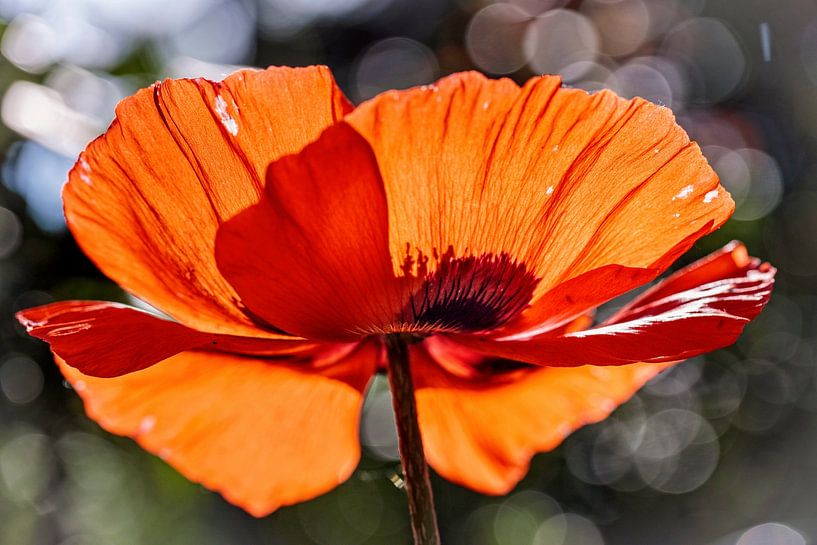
(754, 180)
(25, 460)
(377, 429)
(771, 533)
(640, 80)
(518, 518)
(21, 379)
(11, 232)
(393, 63)
(808, 51)
(494, 38)
(714, 59)
(558, 39)
(623, 25)
(571, 528)
(588, 75)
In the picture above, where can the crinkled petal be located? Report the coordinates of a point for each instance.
(144, 200)
(262, 433)
(104, 339)
(585, 292)
(483, 433)
(561, 180)
(714, 301)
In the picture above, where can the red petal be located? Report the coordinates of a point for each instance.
(709, 312)
(108, 339)
(590, 289)
(312, 257)
(730, 261)
(263, 434)
(574, 297)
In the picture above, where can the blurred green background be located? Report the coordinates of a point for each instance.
(722, 450)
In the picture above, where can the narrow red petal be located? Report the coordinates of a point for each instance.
(104, 339)
(579, 294)
(708, 311)
(730, 261)
(575, 297)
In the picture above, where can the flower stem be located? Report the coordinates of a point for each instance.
(418, 485)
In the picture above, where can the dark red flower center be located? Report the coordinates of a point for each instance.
(469, 294)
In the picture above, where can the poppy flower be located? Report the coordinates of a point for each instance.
(285, 232)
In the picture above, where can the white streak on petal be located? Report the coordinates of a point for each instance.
(684, 193)
(226, 119)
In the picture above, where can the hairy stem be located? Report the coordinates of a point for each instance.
(415, 470)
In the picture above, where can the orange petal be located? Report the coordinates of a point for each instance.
(144, 200)
(713, 303)
(261, 433)
(565, 181)
(312, 256)
(104, 339)
(482, 434)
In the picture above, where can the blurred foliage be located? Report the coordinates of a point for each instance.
(720, 450)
